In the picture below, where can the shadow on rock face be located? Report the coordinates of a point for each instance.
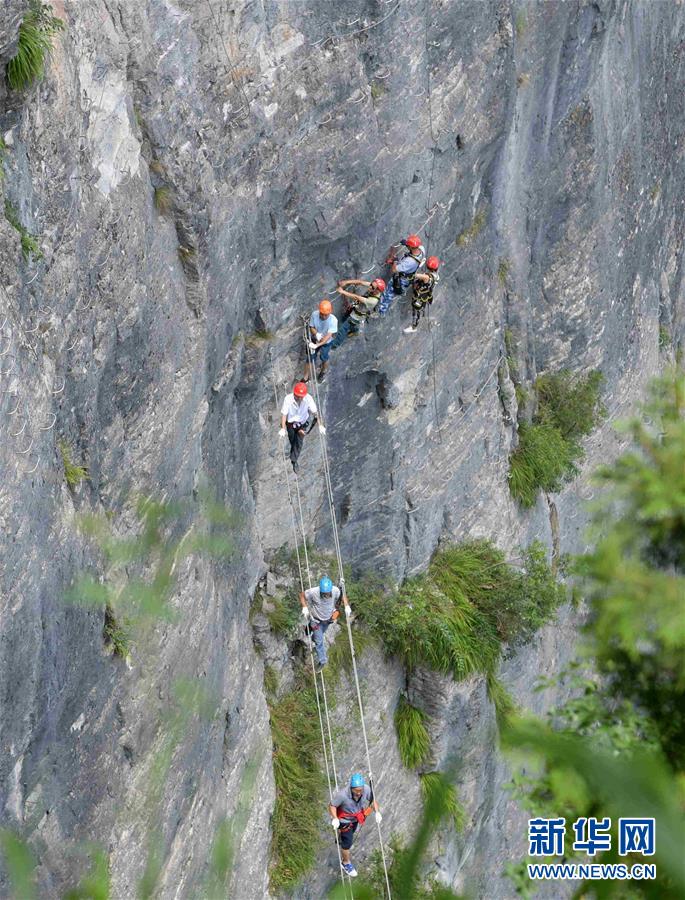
(388, 392)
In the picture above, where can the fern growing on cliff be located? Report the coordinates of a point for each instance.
(34, 47)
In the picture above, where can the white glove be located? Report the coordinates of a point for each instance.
(313, 347)
(322, 429)
(379, 818)
(335, 823)
(318, 336)
(282, 432)
(305, 613)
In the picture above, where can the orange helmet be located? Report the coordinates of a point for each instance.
(300, 389)
(325, 307)
(433, 263)
(379, 284)
(413, 242)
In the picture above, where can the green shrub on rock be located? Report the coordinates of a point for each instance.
(549, 449)
(34, 47)
(412, 737)
(455, 618)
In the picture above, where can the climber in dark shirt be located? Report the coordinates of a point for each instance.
(423, 285)
(359, 310)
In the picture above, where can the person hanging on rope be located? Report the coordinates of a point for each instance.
(298, 417)
(422, 293)
(323, 326)
(349, 809)
(359, 310)
(403, 271)
(320, 608)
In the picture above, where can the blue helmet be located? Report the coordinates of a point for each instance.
(357, 780)
(326, 585)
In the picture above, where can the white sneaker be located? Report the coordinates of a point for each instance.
(350, 870)
(410, 330)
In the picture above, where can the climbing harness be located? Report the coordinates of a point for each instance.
(341, 579)
(327, 749)
(358, 817)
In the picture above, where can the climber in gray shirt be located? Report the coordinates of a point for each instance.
(320, 609)
(349, 809)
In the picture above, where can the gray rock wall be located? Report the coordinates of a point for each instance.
(550, 136)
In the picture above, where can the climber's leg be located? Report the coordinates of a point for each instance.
(296, 438)
(319, 643)
(343, 330)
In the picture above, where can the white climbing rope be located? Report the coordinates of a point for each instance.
(336, 541)
(330, 766)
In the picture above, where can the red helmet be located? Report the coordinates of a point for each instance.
(433, 263)
(379, 284)
(300, 389)
(325, 307)
(413, 242)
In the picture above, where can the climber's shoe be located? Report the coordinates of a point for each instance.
(296, 467)
(411, 330)
(321, 374)
(350, 870)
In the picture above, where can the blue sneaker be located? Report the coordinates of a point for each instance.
(350, 870)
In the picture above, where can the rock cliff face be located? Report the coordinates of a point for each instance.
(197, 176)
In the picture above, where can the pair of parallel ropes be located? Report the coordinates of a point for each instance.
(297, 519)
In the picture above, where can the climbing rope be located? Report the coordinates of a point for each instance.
(330, 766)
(430, 215)
(234, 74)
(341, 575)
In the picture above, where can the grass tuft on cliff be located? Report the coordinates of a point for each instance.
(73, 473)
(163, 199)
(455, 618)
(29, 244)
(568, 409)
(412, 737)
(283, 614)
(34, 47)
(473, 230)
(115, 634)
(299, 784)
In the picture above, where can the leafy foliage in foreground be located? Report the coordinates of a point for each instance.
(618, 747)
(153, 552)
(568, 409)
(435, 782)
(141, 569)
